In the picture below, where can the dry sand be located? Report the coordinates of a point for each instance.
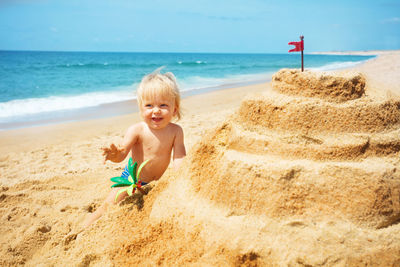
(300, 172)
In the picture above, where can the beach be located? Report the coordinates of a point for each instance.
(53, 176)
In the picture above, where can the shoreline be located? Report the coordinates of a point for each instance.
(122, 107)
(126, 107)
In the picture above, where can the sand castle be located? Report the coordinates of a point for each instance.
(296, 176)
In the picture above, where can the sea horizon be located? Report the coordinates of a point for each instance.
(189, 52)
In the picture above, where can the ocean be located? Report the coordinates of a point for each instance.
(48, 87)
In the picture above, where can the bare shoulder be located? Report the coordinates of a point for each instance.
(175, 128)
(135, 129)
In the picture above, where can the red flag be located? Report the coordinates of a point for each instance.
(299, 46)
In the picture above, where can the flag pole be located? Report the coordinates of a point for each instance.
(302, 57)
(299, 47)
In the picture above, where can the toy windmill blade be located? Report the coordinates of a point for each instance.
(141, 167)
(131, 190)
(132, 168)
(120, 180)
(119, 193)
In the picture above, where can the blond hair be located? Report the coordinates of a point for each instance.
(160, 85)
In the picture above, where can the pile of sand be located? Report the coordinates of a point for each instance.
(319, 84)
(304, 175)
(305, 157)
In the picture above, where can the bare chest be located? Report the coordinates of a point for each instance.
(156, 146)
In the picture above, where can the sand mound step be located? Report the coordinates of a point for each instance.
(366, 192)
(322, 85)
(309, 115)
(275, 168)
(311, 146)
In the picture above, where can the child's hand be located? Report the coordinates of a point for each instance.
(110, 153)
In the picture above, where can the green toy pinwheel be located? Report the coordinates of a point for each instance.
(133, 180)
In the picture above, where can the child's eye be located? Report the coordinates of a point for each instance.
(148, 105)
(164, 105)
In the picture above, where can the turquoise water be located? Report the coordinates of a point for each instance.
(48, 84)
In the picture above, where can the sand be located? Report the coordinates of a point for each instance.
(302, 171)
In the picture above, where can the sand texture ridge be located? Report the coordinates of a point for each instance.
(304, 171)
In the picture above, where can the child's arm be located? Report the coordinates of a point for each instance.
(179, 148)
(118, 154)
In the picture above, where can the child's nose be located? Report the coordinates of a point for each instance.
(157, 110)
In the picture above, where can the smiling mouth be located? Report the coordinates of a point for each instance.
(156, 119)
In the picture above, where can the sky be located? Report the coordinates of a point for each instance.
(218, 26)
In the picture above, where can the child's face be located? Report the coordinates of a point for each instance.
(157, 113)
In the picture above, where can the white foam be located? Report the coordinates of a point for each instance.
(11, 110)
(32, 106)
(25, 107)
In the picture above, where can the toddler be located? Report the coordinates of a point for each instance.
(153, 139)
